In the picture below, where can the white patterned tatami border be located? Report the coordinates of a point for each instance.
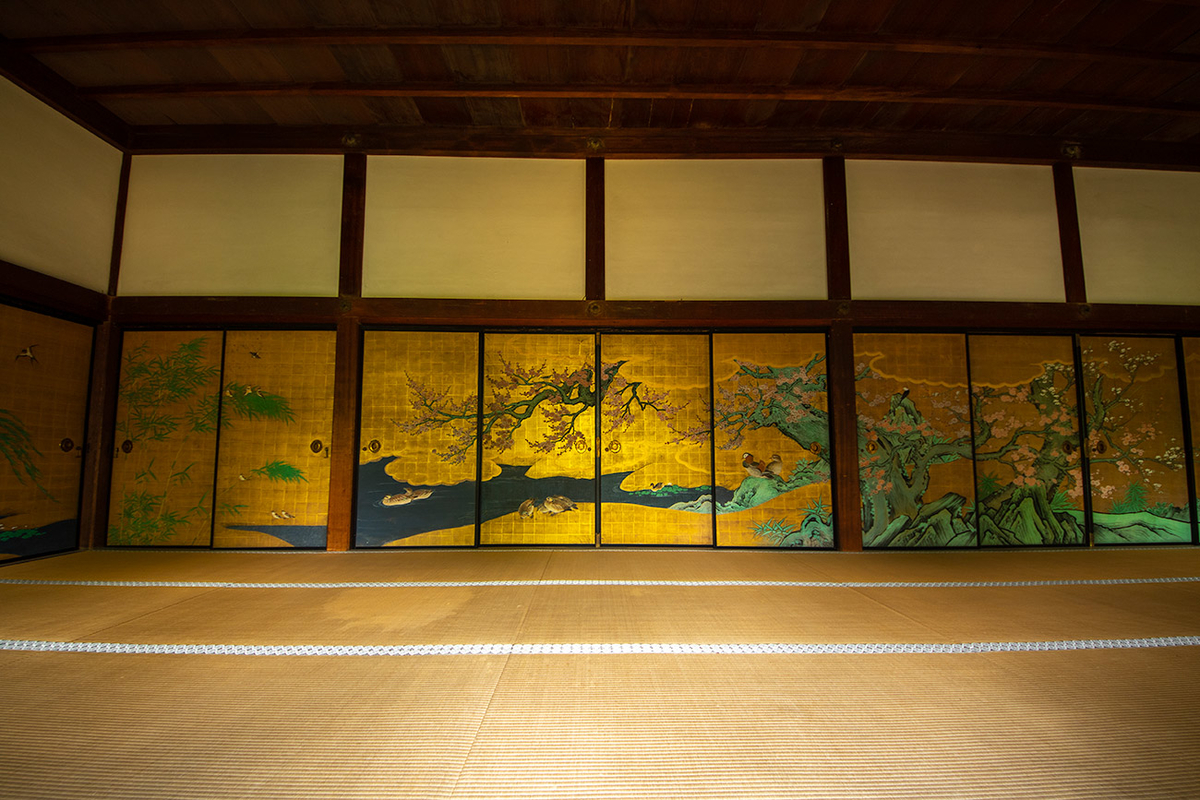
(623, 648)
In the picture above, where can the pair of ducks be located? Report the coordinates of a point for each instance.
(757, 469)
(553, 505)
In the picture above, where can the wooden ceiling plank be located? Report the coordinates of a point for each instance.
(1108, 24)
(1050, 21)
(107, 68)
(855, 16)
(792, 15)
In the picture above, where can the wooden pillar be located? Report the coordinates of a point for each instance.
(837, 229)
(843, 420)
(843, 416)
(594, 230)
(1068, 234)
(98, 447)
(343, 451)
(96, 480)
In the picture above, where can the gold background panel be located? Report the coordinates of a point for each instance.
(570, 527)
(444, 365)
(463, 536)
(544, 354)
(160, 482)
(297, 366)
(671, 451)
(624, 523)
(49, 398)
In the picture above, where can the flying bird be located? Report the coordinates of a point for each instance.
(27, 352)
(253, 354)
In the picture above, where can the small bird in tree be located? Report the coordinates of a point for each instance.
(27, 352)
(755, 469)
(775, 466)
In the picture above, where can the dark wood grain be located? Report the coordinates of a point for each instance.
(343, 448)
(837, 235)
(843, 420)
(540, 37)
(659, 143)
(1068, 234)
(132, 311)
(354, 205)
(118, 241)
(594, 280)
(1065, 101)
(36, 290)
(98, 447)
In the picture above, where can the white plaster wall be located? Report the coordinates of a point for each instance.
(1140, 231)
(267, 225)
(474, 227)
(59, 198)
(945, 231)
(714, 230)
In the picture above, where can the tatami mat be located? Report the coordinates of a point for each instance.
(1088, 723)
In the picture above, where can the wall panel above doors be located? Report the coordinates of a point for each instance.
(474, 227)
(233, 225)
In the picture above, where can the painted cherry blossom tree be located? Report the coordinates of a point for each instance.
(560, 397)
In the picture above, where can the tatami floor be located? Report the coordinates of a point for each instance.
(601, 673)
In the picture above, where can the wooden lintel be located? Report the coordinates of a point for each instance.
(592, 37)
(630, 91)
(466, 313)
(42, 292)
(616, 143)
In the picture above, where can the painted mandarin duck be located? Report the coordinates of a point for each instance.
(756, 469)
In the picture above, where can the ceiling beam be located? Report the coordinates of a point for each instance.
(541, 37)
(659, 143)
(51, 88)
(846, 94)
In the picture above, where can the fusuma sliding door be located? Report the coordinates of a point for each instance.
(417, 441)
(771, 418)
(43, 401)
(915, 467)
(1135, 440)
(656, 443)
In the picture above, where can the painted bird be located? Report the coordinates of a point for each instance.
(775, 466)
(27, 352)
(557, 504)
(253, 354)
(527, 508)
(755, 469)
(275, 515)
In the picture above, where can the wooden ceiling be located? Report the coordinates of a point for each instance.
(1090, 81)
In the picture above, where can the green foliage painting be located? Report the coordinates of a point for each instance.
(165, 434)
(19, 451)
(169, 413)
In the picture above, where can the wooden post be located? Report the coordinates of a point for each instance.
(344, 445)
(843, 419)
(594, 282)
(1068, 234)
